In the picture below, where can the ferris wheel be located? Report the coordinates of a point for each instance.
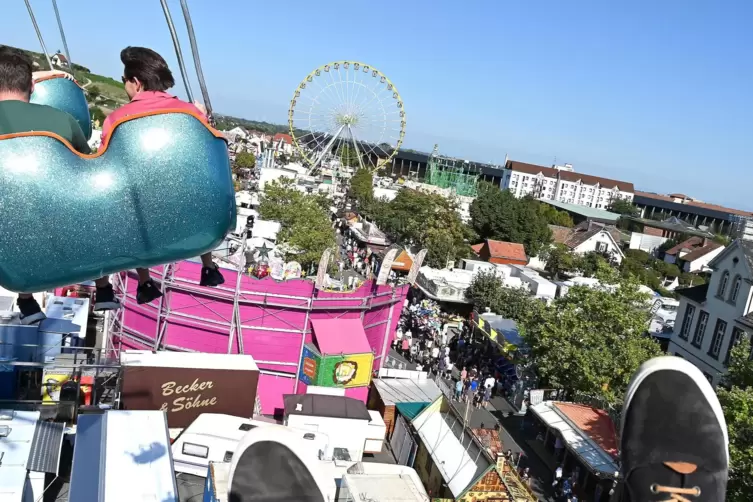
(346, 114)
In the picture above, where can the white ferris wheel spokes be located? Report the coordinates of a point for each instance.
(346, 115)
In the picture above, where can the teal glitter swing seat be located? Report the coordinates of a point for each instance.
(160, 191)
(65, 95)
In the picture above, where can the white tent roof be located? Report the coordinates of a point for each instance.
(457, 457)
(576, 440)
(406, 390)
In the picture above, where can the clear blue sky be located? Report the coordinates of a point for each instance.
(653, 92)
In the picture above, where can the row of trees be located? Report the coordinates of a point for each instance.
(499, 215)
(587, 342)
(415, 219)
(736, 398)
(306, 229)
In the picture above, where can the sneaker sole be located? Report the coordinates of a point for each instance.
(39, 316)
(107, 306)
(146, 302)
(673, 363)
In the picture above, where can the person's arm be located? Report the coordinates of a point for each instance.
(78, 140)
(38, 75)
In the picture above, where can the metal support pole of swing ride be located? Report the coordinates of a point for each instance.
(196, 58)
(178, 52)
(62, 36)
(236, 324)
(39, 34)
(326, 149)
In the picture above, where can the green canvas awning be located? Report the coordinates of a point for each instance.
(411, 410)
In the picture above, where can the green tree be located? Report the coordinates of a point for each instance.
(555, 217)
(487, 291)
(724, 240)
(305, 224)
(245, 160)
(362, 187)
(93, 92)
(623, 207)
(668, 270)
(688, 279)
(97, 115)
(560, 259)
(736, 398)
(498, 214)
(425, 221)
(348, 156)
(592, 340)
(591, 263)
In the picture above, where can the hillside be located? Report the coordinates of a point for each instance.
(103, 93)
(107, 94)
(226, 122)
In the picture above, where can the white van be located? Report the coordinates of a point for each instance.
(213, 437)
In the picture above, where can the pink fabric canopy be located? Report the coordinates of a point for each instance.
(340, 336)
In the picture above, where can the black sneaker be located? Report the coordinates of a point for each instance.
(211, 276)
(673, 435)
(147, 292)
(30, 311)
(105, 299)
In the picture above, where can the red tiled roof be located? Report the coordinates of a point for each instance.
(688, 244)
(569, 176)
(701, 251)
(594, 422)
(477, 247)
(665, 198)
(560, 234)
(286, 138)
(511, 250)
(490, 439)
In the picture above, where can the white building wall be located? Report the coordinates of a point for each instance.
(645, 242)
(717, 308)
(596, 196)
(702, 262)
(592, 244)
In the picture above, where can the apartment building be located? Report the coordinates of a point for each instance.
(711, 318)
(563, 184)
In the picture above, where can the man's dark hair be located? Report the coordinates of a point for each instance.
(15, 70)
(148, 67)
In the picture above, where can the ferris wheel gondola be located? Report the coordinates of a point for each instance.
(346, 115)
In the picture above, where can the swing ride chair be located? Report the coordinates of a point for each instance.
(66, 95)
(160, 190)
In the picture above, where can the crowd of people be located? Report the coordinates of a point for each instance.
(444, 345)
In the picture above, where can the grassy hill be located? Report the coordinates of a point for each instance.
(111, 92)
(226, 122)
(107, 94)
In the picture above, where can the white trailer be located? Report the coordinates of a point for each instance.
(214, 437)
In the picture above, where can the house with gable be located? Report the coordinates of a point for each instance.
(713, 317)
(693, 254)
(590, 236)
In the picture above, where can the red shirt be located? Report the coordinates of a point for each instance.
(148, 101)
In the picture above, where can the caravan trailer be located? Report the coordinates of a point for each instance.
(213, 437)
